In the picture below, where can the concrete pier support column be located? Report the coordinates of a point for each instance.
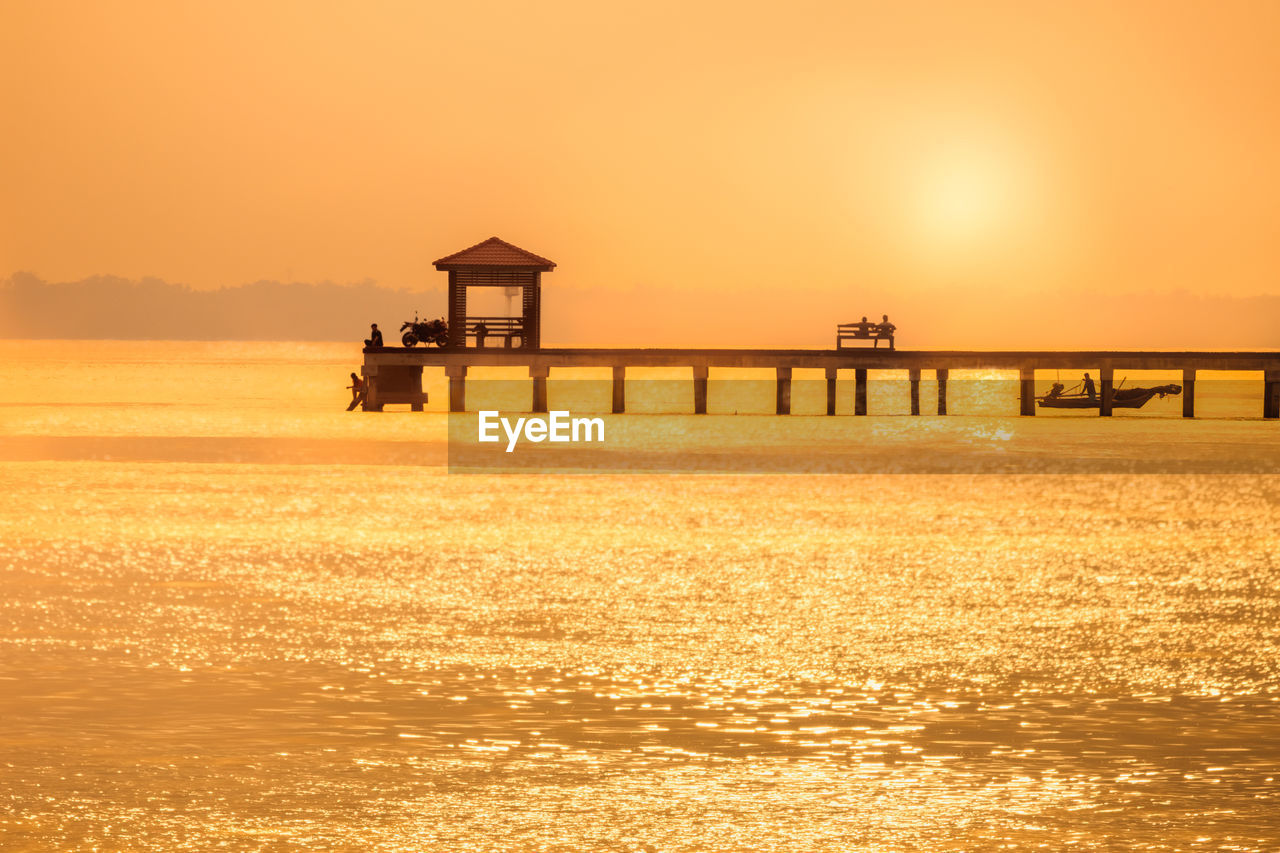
(700, 390)
(860, 391)
(539, 376)
(457, 374)
(1108, 381)
(914, 376)
(1188, 393)
(783, 383)
(831, 390)
(942, 374)
(370, 403)
(1271, 394)
(619, 389)
(415, 385)
(1027, 389)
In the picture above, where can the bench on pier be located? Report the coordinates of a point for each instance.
(509, 329)
(864, 331)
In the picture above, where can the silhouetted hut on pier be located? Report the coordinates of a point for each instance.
(495, 263)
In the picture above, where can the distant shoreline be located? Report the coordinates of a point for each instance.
(667, 315)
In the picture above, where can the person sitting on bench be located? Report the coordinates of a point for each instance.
(884, 330)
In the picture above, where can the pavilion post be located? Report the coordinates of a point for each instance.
(1189, 393)
(860, 391)
(942, 374)
(1106, 378)
(457, 311)
(913, 376)
(531, 314)
(831, 390)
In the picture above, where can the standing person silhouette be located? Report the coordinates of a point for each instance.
(375, 336)
(1091, 391)
(357, 391)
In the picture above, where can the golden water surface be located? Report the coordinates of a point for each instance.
(235, 617)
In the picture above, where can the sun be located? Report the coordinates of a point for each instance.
(963, 199)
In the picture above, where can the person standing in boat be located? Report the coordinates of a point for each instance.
(1089, 390)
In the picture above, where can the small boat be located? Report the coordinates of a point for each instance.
(1121, 398)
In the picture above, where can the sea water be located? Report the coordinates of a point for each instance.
(237, 617)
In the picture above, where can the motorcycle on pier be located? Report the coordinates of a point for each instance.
(424, 331)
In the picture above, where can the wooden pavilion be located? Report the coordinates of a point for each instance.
(495, 263)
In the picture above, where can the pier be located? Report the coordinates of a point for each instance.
(394, 374)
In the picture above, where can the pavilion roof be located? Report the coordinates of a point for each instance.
(494, 253)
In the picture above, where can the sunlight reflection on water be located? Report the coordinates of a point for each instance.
(201, 654)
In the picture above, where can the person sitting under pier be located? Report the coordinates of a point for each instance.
(1055, 391)
(1089, 389)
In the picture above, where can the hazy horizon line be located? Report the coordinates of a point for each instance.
(627, 289)
(663, 315)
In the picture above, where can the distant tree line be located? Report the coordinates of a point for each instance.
(668, 314)
(106, 307)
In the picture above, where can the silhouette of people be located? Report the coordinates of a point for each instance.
(1089, 390)
(482, 331)
(375, 336)
(357, 391)
(1055, 391)
(884, 330)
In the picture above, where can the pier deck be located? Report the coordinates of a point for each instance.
(394, 374)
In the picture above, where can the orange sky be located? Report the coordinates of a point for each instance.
(935, 148)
